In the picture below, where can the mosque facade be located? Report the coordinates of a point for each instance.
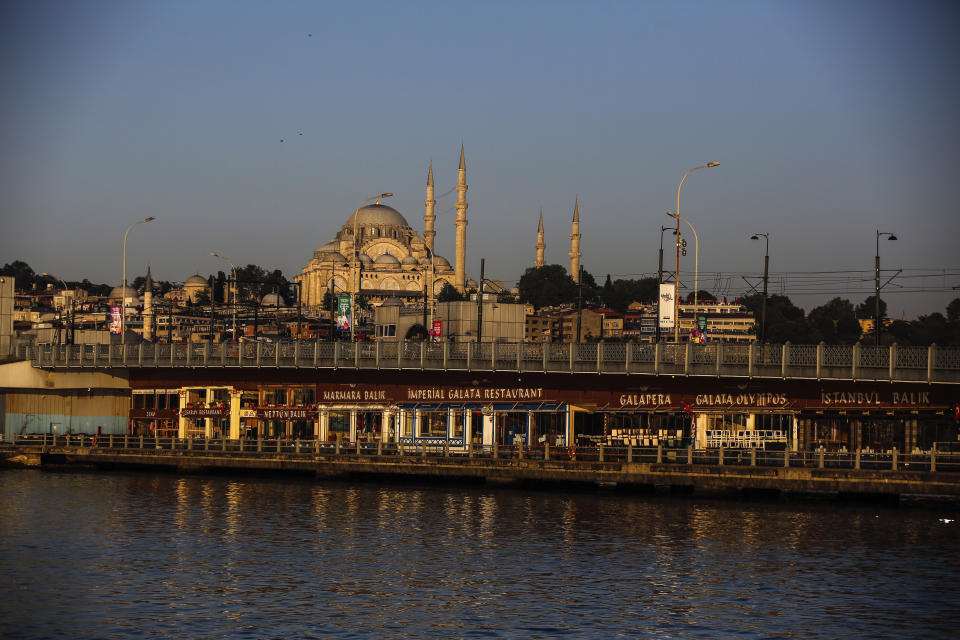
(378, 255)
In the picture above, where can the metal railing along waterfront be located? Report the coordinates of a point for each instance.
(830, 362)
(307, 449)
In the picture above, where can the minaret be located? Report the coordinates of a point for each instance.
(575, 243)
(541, 245)
(148, 307)
(461, 258)
(428, 217)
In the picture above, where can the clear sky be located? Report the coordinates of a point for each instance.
(830, 120)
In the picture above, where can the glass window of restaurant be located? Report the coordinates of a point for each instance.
(338, 426)
(833, 433)
(369, 425)
(939, 430)
(433, 423)
(476, 426)
(647, 429)
(882, 434)
(407, 419)
(547, 427)
(460, 416)
(511, 428)
(302, 396)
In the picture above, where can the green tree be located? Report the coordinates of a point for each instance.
(785, 321)
(834, 322)
(449, 293)
(620, 293)
(547, 286)
(23, 276)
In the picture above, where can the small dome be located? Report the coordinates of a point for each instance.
(377, 215)
(365, 259)
(272, 300)
(471, 284)
(332, 256)
(410, 260)
(386, 259)
(118, 292)
(333, 245)
(195, 280)
(440, 261)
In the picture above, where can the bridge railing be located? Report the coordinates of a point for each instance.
(839, 362)
(866, 460)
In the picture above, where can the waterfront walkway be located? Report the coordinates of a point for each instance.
(706, 471)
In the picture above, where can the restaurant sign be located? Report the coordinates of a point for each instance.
(207, 412)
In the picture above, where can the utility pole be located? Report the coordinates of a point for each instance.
(480, 304)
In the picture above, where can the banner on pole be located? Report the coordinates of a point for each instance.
(344, 315)
(667, 318)
(437, 330)
(115, 320)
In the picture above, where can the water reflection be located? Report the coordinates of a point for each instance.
(174, 556)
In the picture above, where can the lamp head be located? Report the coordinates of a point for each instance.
(754, 237)
(892, 237)
(713, 164)
(672, 214)
(149, 219)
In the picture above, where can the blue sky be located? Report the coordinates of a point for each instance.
(830, 120)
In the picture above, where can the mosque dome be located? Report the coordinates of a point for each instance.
(410, 260)
(440, 261)
(471, 284)
(365, 259)
(118, 292)
(272, 300)
(377, 215)
(332, 256)
(195, 280)
(386, 259)
(333, 245)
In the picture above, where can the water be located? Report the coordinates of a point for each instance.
(116, 555)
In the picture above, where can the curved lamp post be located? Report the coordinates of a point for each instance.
(234, 268)
(676, 294)
(876, 297)
(696, 266)
(766, 265)
(123, 294)
(356, 259)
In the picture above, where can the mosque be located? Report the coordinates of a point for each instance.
(393, 260)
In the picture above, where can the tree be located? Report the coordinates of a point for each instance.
(834, 322)
(23, 276)
(953, 310)
(449, 293)
(868, 309)
(620, 293)
(785, 322)
(547, 286)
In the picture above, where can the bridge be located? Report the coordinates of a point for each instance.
(785, 362)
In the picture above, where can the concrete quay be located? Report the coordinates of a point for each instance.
(688, 472)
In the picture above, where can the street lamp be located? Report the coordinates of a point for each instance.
(766, 265)
(356, 259)
(876, 298)
(234, 268)
(123, 294)
(696, 267)
(69, 335)
(676, 294)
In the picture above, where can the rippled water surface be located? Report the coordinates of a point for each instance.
(134, 556)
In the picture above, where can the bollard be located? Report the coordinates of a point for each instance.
(894, 466)
(470, 449)
(141, 442)
(753, 456)
(358, 446)
(659, 454)
(546, 450)
(206, 444)
(519, 450)
(259, 444)
(224, 444)
(786, 458)
(379, 442)
(400, 449)
(296, 445)
(820, 464)
(126, 441)
(110, 440)
(601, 453)
(446, 448)
(190, 443)
(720, 457)
(690, 455)
(423, 449)
(630, 446)
(496, 450)
(856, 463)
(933, 459)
